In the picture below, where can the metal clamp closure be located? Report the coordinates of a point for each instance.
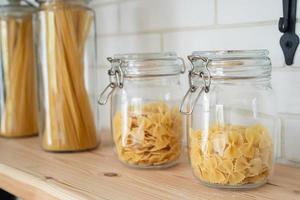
(116, 79)
(183, 68)
(191, 97)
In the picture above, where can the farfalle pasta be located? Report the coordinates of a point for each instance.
(231, 154)
(148, 135)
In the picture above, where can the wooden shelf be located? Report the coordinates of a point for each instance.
(30, 173)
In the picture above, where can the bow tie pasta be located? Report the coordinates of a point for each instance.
(148, 135)
(231, 154)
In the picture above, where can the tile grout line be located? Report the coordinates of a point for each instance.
(216, 13)
(199, 28)
(285, 68)
(110, 3)
(119, 17)
(162, 46)
(282, 138)
(289, 115)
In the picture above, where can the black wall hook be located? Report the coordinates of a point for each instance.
(289, 41)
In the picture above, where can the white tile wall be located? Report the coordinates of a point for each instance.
(260, 37)
(286, 82)
(107, 19)
(157, 14)
(104, 111)
(292, 138)
(187, 25)
(297, 56)
(104, 2)
(245, 11)
(108, 46)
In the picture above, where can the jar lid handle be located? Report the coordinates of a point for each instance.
(191, 97)
(183, 68)
(115, 80)
(106, 93)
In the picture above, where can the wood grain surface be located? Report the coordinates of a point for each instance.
(32, 174)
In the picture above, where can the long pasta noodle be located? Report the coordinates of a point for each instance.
(69, 123)
(18, 76)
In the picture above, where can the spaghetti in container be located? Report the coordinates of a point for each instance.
(18, 93)
(66, 54)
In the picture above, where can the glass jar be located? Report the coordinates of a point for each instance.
(66, 54)
(146, 123)
(18, 98)
(232, 119)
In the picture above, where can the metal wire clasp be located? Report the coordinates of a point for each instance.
(31, 3)
(191, 97)
(183, 68)
(116, 79)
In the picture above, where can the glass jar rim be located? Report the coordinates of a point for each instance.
(16, 9)
(45, 1)
(11, 2)
(150, 64)
(222, 54)
(234, 64)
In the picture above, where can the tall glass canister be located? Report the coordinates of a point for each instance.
(233, 122)
(18, 99)
(66, 54)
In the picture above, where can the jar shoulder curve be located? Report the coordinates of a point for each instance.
(150, 89)
(250, 91)
(76, 5)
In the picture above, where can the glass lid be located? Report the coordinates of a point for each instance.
(233, 64)
(62, 1)
(16, 8)
(150, 64)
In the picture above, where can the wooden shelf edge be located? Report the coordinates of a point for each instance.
(29, 187)
(33, 174)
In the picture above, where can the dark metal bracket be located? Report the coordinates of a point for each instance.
(289, 41)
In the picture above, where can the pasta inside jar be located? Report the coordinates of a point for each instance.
(233, 122)
(147, 125)
(231, 154)
(148, 135)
